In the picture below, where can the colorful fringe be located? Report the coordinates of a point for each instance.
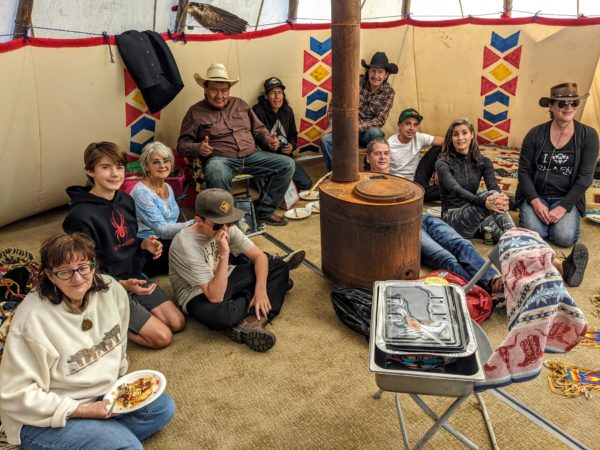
(591, 338)
(571, 381)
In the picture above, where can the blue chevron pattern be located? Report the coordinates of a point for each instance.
(317, 95)
(316, 115)
(502, 44)
(320, 48)
(145, 123)
(497, 96)
(495, 118)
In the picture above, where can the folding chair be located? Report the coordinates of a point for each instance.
(459, 389)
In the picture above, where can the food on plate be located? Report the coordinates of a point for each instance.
(131, 394)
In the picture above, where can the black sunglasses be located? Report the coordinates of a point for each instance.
(218, 226)
(564, 103)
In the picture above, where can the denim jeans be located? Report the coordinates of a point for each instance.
(120, 432)
(469, 220)
(364, 137)
(564, 233)
(443, 248)
(220, 170)
(301, 178)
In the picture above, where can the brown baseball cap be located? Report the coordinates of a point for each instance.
(216, 205)
(563, 91)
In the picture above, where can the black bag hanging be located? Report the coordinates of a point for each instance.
(353, 307)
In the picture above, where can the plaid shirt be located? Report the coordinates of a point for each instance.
(373, 107)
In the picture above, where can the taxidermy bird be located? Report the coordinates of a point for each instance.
(216, 19)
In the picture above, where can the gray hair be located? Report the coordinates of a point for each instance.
(154, 148)
(374, 142)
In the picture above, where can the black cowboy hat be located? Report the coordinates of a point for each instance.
(380, 61)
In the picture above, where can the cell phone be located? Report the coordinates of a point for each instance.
(147, 284)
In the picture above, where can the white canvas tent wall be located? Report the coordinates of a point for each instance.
(60, 95)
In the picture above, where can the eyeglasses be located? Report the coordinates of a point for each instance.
(158, 162)
(67, 274)
(564, 103)
(219, 226)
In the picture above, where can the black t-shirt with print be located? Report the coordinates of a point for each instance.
(555, 168)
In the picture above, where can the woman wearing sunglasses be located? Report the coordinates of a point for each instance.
(556, 167)
(65, 349)
(156, 208)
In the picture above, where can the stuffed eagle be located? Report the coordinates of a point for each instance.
(216, 19)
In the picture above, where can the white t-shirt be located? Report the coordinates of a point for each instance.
(193, 259)
(404, 158)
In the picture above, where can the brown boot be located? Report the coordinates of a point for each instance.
(252, 333)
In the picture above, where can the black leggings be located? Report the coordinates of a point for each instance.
(238, 295)
(425, 171)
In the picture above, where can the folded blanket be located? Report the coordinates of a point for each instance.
(542, 316)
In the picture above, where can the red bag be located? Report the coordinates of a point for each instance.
(479, 301)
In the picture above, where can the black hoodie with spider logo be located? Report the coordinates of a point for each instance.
(112, 225)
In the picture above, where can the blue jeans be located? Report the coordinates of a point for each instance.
(220, 170)
(443, 248)
(302, 179)
(364, 137)
(564, 233)
(120, 432)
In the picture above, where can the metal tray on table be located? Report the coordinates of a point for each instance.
(458, 377)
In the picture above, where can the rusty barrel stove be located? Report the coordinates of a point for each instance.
(370, 223)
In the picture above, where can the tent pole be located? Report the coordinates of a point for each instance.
(405, 8)
(508, 6)
(293, 11)
(262, 3)
(181, 17)
(23, 18)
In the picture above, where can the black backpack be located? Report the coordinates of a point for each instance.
(353, 307)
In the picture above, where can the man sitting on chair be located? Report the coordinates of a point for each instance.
(224, 132)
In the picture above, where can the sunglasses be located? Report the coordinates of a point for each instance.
(564, 103)
(219, 226)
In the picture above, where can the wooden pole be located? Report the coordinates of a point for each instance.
(508, 6)
(181, 17)
(405, 8)
(262, 3)
(23, 18)
(293, 11)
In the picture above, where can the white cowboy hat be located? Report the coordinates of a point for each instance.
(215, 72)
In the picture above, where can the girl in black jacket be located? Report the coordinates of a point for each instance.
(460, 170)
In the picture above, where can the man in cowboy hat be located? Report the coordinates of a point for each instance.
(224, 132)
(376, 97)
(556, 166)
(239, 299)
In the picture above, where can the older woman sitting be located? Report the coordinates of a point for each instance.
(156, 208)
(65, 349)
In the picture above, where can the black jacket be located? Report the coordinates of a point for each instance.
(460, 176)
(586, 156)
(152, 67)
(112, 225)
(285, 115)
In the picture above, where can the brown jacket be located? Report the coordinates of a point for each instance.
(233, 131)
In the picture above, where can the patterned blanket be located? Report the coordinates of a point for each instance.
(506, 164)
(542, 316)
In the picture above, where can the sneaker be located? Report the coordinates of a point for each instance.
(274, 220)
(252, 333)
(497, 295)
(574, 265)
(294, 259)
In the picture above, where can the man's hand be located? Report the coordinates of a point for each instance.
(273, 141)
(555, 214)
(96, 410)
(138, 286)
(153, 245)
(541, 210)
(205, 148)
(261, 303)
(287, 149)
(222, 240)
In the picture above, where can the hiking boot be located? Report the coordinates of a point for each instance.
(274, 220)
(252, 333)
(574, 265)
(497, 295)
(294, 259)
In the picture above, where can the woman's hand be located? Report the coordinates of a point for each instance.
(541, 210)
(261, 303)
(555, 214)
(138, 286)
(153, 245)
(494, 202)
(96, 410)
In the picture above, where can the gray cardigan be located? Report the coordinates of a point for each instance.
(586, 155)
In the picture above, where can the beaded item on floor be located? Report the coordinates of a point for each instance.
(570, 381)
(591, 338)
(596, 302)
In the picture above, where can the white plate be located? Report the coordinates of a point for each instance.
(314, 207)
(594, 217)
(298, 213)
(159, 387)
(309, 195)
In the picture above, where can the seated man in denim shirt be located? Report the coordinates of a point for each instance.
(224, 132)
